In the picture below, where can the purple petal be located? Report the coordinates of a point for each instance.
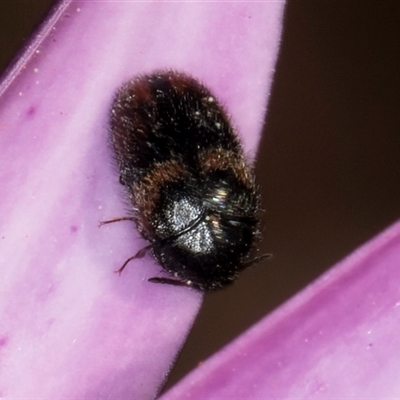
(336, 339)
(70, 327)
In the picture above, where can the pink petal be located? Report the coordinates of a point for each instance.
(337, 339)
(71, 328)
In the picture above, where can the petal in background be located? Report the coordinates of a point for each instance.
(337, 339)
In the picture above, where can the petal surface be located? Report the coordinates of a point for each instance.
(337, 339)
(70, 327)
